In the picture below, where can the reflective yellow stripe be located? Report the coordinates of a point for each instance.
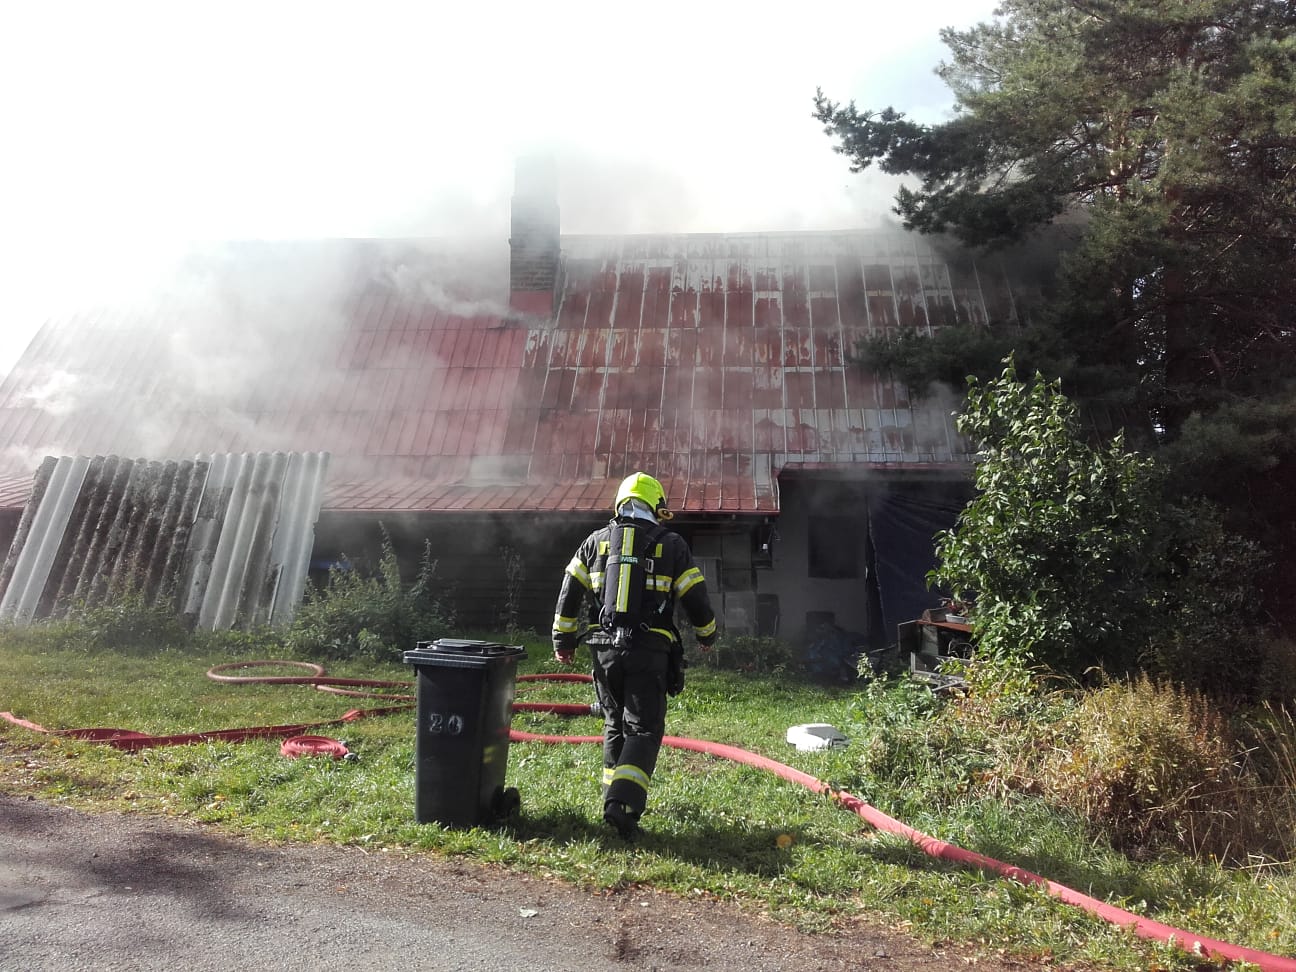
(603, 548)
(596, 581)
(632, 773)
(706, 629)
(578, 572)
(657, 550)
(623, 588)
(607, 775)
(668, 635)
(624, 568)
(564, 625)
(688, 580)
(659, 582)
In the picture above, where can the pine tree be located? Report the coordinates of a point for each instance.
(1165, 131)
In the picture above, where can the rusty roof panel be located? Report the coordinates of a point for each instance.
(714, 361)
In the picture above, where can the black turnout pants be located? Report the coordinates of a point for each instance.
(631, 688)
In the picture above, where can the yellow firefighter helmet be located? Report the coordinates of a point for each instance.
(643, 487)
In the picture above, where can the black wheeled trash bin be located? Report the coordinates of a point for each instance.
(464, 694)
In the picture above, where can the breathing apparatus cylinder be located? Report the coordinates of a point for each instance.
(624, 578)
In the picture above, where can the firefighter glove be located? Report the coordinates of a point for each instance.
(675, 670)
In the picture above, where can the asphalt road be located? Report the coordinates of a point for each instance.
(85, 891)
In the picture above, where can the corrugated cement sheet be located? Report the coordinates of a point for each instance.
(713, 361)
(225, 539)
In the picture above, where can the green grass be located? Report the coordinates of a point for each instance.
(714, 828)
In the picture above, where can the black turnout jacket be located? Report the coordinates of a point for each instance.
(674, 579)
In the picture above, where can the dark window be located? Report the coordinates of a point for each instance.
(835, 544)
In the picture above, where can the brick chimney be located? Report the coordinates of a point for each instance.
(533, 238)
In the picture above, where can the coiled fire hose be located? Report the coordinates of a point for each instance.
(310, 744)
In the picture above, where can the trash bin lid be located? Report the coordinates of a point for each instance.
(449, 650)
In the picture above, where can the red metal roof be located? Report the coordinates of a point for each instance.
(710, 361)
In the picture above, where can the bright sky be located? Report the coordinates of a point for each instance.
(132, 127)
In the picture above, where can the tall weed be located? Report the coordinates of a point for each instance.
(1244, 665)
(1270, 735)
(1148, 766)
(127, 622)
(1153, 766)
(514, 577)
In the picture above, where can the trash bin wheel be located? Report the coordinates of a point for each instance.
(507, 802)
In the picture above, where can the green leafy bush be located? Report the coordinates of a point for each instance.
(900, 740)
(127, 622)
(1076, 558)
(262, 642)
(933, 752)
(358, 613)
(745, 653)
(1206, 629)
(1054, 547)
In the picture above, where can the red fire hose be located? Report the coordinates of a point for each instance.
(1143, 927)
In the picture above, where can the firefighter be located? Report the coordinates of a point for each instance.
(623, 585)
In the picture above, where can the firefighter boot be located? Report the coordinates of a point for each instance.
(621, 817)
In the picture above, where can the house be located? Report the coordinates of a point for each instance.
(488, 400)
